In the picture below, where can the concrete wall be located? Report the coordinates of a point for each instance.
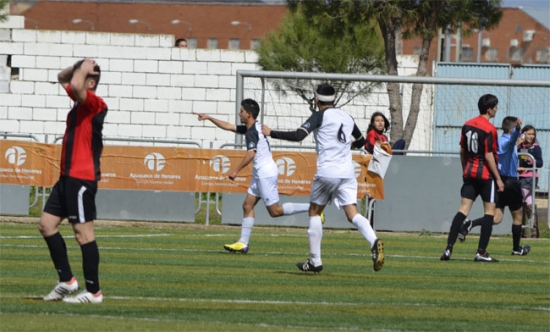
(151, 88)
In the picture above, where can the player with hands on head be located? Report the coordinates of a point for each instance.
(73, 196)
(335, 176)
(264, 173)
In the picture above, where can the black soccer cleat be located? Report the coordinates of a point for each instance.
(308, 266)
(446, 255)
(484, 258)
(522, 251)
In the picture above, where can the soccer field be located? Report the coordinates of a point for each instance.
(173, 277)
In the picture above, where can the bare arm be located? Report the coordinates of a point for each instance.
(78, 80)
(491, 163)
(220, 123)
(246, 160)
(65, 76)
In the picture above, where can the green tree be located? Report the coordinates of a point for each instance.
(415, 18)
(321, 44)
(3, 10)
(423, 19)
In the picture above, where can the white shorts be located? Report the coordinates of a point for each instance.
(343, 191)
(266, 189)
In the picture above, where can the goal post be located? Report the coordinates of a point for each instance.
(445, 104)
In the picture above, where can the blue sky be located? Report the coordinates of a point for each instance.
(527, 3)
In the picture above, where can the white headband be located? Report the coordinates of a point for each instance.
(325, 98)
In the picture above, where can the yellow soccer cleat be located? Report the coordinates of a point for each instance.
(322, 217)
(236, 247)
(378, 255)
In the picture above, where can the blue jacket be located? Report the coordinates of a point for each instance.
(508, 154)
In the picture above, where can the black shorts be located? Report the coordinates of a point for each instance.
(471, 188)
(73, 199)
(511, 196)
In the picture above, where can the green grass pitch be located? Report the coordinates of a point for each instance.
(172, 277)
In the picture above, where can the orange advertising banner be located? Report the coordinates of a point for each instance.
(173, 169)
(28, 163)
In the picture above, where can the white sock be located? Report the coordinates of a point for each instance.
(293, 208)
(246, 230)
(364, 227)
(315, 235)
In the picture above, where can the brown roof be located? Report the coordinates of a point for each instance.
(207, 20)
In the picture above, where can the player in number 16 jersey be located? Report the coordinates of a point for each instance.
(478, 156)
(478, 137)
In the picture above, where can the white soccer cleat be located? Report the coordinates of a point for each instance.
(85, 297)
(62, 289)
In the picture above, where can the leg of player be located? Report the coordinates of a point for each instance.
(315, 235)
(246, 229)
(364, 227)
(287, 209)
(67, 283)
(516, 234)
(489, 219)
(456, 225)
(84, 234)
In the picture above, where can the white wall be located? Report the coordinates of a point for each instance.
(151, 88)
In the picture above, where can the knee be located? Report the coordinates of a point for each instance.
(46, 230)
(274, 213)
(246, 207)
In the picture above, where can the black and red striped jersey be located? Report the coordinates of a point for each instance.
(479, 136)
(83, 139)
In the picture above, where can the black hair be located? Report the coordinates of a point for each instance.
(508, 123)
(373, 117)
(325, 89)
(179, 40)
(251, 106)
(96, 78)
(485, 102)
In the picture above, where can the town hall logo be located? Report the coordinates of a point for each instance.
(286, 166)
(16, 155)
(220, 164)
(154, 161)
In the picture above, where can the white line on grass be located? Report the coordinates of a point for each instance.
(247, 301)
(266, 253)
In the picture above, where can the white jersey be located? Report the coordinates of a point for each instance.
(263, 164)
(333, 129)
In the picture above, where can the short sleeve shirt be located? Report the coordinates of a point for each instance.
(263, 164)
(478, 137)
(333, 129)
(83, 139)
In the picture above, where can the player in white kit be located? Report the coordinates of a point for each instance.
(264, 174)
(335, 177)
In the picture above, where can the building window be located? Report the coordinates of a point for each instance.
(492, 55)
(234, 44)
(515, 54)
(192, 42)
(543, 55)
(467, 54)
(212, 43)
(254, 44)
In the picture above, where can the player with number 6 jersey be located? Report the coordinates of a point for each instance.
(478, 156)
